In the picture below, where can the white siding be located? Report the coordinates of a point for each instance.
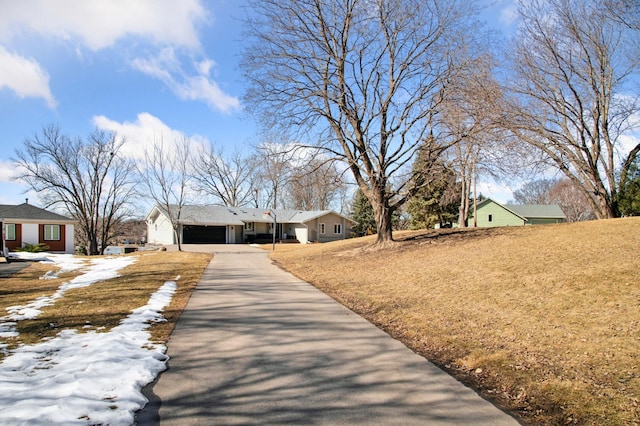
(69, 238)
(301, 233)
(160, 231)
(30, 233)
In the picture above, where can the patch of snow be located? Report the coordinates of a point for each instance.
(87, 378)
(66, 262)
(98, 270)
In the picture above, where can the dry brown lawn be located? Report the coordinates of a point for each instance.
(102, 305)
(543, 320)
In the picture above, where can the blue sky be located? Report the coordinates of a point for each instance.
(143, 68)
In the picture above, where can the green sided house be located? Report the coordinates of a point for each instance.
(491, 213)
(27, 224)
(200, 224)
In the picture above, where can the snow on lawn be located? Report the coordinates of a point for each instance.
(86, 378)
(100, 269)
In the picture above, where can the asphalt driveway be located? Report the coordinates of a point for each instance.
(256, 345)
(8, 269)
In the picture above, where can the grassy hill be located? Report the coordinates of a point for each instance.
(542, 320)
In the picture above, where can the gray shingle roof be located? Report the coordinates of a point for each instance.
(27, 211)
(221, 215)
(536, 210)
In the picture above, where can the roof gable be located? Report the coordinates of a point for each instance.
(26, 211)
(491, 201)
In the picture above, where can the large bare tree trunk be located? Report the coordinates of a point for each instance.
(383, 214)
(463, 211)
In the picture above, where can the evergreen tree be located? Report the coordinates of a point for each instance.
(438, 198)
(362, 212)
(436, 203)
(629, 203)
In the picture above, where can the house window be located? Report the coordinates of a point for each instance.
(322, 228)
(490, 218)
(337, 228)
(10, 232)
(52, 232)
(248, 226)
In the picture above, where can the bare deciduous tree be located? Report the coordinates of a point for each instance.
(89, 179)
(571, 200)
(535, 192)
(165, 175)
(273, 166)
(468, 117)
(366, 77)
(314, 185)
(570, 99)
(471, 121)
(625, 11)
(562, 192)
(227, 179)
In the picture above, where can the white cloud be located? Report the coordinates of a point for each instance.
(161, 67)
(200, 88)
(167, 68)
(7, 171)
(204, 67)
(498, 192)
(96, 25)
(24, 77)
(143, 133)
(100, 24)
(12, 191)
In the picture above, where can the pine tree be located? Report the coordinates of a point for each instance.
(362, 212)
(629, 203)
(437, 201)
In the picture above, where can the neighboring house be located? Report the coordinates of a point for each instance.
(27, 224)
(491, 213)
(236, 225)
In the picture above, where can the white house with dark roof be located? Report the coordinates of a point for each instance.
(27, 224)
(200, 224)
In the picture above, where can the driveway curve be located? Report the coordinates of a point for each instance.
(256, 345)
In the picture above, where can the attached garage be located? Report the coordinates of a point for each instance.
(207, 224)
(194, 234)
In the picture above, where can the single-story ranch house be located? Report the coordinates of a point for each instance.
(27, 224)
(491, 213)
(201, 224)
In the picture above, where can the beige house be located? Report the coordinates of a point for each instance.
(199, 224)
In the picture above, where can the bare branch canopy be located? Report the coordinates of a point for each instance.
(362, 79)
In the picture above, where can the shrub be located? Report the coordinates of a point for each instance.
(33, 248)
